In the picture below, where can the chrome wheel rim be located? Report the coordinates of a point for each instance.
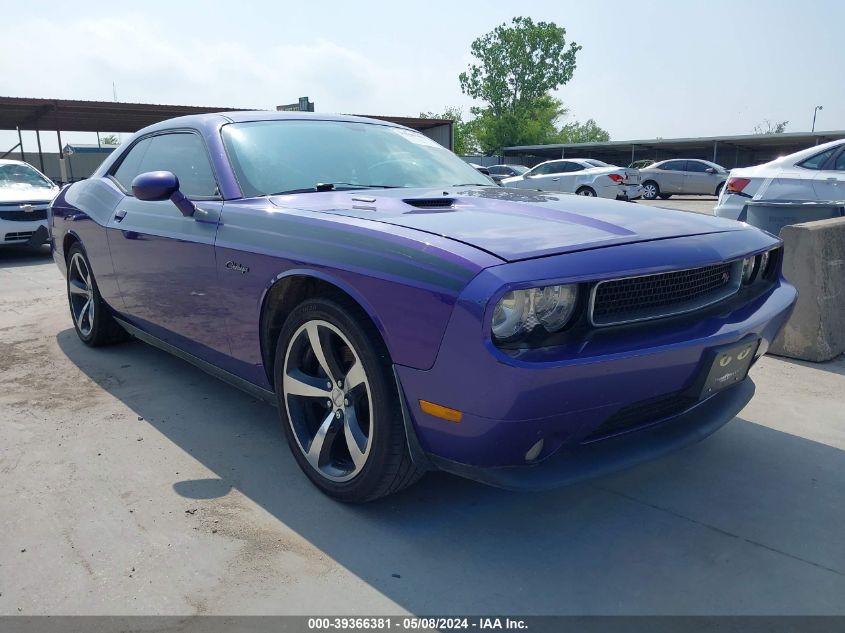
(649, 192)
(328, 400)
(586, 192)
(81, 294)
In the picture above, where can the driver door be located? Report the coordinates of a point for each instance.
(165, 262)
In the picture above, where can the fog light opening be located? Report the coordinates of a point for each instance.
(534, 452)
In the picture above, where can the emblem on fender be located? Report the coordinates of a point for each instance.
(237, 267)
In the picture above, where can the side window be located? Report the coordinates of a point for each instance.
(130, 166)
(541, 170)
(673, 165)
(182, 153)
(839, 165)
(818, 161)
(694, 165)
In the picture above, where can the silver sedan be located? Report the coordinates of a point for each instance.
(684, 176)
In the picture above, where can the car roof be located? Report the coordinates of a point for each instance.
(797, 157)
(217, 119)
(9, 161)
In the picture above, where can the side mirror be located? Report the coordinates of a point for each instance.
(154, 186)
(710, 170)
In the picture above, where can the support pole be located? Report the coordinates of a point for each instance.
(62, 164)
(715, 145)
(40, 154)
(20, 144)
(632, 153)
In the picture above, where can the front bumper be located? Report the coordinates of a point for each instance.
(572, 464)
(17, 232)
(564, 394)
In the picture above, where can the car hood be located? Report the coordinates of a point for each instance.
(25, 193)
(512, 224)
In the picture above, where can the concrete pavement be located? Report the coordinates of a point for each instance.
(135, 484)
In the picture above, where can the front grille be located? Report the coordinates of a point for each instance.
(641, 414)
(664, 294)
(24, 216)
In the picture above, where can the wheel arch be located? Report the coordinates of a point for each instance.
(70, 238)
(291, 288)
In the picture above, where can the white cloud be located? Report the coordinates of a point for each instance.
(189, 68)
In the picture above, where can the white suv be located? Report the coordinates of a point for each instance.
(25, 194)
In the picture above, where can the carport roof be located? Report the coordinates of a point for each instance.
(680, 144)
(68, 115)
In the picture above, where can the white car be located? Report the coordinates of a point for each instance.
(815, 174)
(582, 176)
(25, 194)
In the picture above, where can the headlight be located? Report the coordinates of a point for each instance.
(747, 270)
(520, 311)
(764, 263)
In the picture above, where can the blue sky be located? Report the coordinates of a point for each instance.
(647, 68)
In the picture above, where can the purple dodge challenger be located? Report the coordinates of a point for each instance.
(405, 313)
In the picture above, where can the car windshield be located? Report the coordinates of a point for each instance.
(22, 176)
(274, 157)
(519, 169)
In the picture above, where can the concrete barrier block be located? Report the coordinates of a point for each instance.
(814, 262)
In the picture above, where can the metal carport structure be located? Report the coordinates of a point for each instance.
(728, 151)
(67, 115)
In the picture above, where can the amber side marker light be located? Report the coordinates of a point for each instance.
(439, 411)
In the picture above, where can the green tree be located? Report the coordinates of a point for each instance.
(109, 139)
(463, 138)
(587, 132)
(517, 67)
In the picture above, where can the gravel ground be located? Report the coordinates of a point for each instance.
(135, 484)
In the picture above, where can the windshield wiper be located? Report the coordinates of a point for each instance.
(333, 186)
(473, 184)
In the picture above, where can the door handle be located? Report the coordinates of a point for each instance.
(555, 179)
(119, 215)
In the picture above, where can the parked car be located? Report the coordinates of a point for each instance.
(498, 172)
(480, 168)
(689, 176)
(813, 174)
(25, 194)
(641, 164)
(582, 176)
(405, 314)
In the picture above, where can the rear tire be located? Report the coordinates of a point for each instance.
(650, 190)
(339, 403)
(719, 189)
(586, 191)
(92, 319)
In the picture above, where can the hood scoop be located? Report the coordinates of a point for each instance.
(430, 203)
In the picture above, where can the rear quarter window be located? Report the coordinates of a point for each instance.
(818, 161)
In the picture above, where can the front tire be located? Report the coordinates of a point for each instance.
(650, 190)
(92, 319)
(339, 403)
